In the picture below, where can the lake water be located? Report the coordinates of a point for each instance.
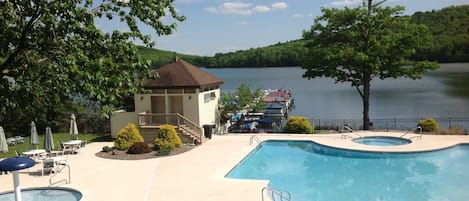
(440, 94)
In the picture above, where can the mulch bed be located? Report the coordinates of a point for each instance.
(122, 155)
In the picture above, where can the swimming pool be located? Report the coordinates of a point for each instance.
(310, 171)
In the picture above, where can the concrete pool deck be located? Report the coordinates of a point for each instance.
(197, 175)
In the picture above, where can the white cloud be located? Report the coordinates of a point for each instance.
(243, 23)
(298, 16)
(232, 8)
(346, 2)
(238, 8)
(261, 9)
(279, 5)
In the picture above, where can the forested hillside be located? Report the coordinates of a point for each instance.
(159, 58)
(281, 54)
(449, 26)
(450, 29)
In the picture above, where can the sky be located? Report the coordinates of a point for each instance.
(217, 26)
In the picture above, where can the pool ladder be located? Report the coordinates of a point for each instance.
(253, 139)
(275, 194)
(417, 136)
(344, 136)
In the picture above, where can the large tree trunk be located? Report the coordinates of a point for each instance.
(366, 101)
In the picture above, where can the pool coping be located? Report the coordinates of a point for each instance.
(196, 175)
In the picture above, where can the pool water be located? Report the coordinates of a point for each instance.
(44, 194)
(382, 141)
(310, 171)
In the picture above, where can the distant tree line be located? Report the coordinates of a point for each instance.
(280, 54)
(449, 27)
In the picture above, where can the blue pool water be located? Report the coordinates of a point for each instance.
(382, 141)
(44, 194)
(312, 172)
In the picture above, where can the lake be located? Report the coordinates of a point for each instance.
(441, 94)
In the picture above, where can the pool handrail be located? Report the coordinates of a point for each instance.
(282, 194)
(344, 136)
(254, 138)
(58, 170)
(418, 136)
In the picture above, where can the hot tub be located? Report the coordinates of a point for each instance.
(44, 194)
(382, 141)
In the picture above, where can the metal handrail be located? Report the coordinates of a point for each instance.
(282, 194)
(347, 128)
(344, 136)
(254, 138)
(419, 136)
(58, 170)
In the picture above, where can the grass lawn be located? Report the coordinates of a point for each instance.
(57, 137)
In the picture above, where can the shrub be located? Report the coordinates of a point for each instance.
(107, 149)
(164, 151)
(139, 148)
(127, 136)
(167, 137)
(297, 124)
(428, 125)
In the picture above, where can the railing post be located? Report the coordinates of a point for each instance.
(449, 122)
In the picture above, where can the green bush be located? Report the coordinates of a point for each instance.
(429, 125)
(163, 152)
(127, 136)
(107, 149)
(139, 148)
(297, 124)
(167, 137)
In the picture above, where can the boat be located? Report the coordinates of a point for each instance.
(278, 103)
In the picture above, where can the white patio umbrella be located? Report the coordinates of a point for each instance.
(3, 141)
(73, 127)
(34, 140)
(48, 140)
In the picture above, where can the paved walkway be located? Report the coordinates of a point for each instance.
(197, 175)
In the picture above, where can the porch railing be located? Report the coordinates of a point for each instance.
(150, 120)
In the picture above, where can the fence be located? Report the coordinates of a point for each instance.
(388, 124)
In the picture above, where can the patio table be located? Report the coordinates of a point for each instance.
(74, 145)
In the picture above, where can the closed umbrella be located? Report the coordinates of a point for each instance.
(34, 140)
(48, 140)
(3, 141)
(73, 127)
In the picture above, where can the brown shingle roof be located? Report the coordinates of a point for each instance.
(180, 74)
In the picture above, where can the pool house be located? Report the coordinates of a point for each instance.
(183, 95)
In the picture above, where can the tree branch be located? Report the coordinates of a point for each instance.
(21, 44)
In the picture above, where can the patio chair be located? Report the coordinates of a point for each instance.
(64, 148)
(55, 163)
(11, 141)
(19, 139)
(48, 164)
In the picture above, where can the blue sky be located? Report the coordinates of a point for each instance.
(214, 26)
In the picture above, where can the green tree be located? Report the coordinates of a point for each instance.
(52, 51)
(242, 99)
(359, 44)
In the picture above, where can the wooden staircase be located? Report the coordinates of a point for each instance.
(183, 125)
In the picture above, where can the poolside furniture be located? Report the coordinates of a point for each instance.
(19, 139)
(53, 162)
(74, 145)
(34, 152)
(11, 141)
